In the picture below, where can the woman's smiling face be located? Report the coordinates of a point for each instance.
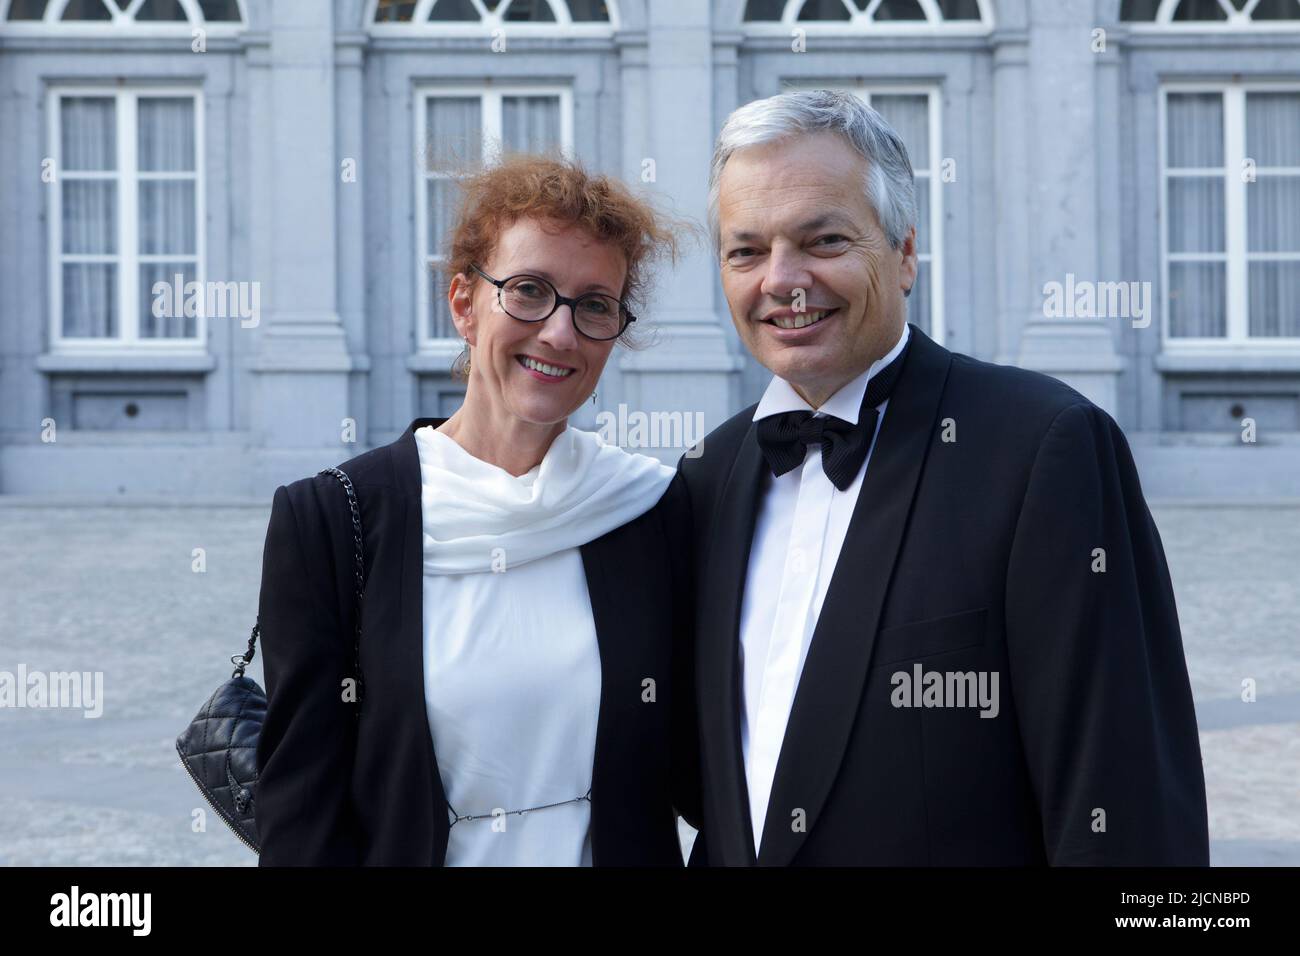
(502, 348)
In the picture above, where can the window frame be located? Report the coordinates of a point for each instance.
(862, 26)
(1238, 22)
(121, 22)
(932, 172)
(128, 258)
(491, 96)
(421, 25)
(1236, 255)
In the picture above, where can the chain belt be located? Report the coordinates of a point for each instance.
(485, 816)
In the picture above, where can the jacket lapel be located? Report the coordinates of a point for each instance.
(406, 477)
(595, 559)
(826, 701)
(718, 636)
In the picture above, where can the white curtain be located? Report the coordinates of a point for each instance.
(1273, 212)
(88, 143)
(165, 145)
(454, 141)
(165, 134)
(1197, 291)
(453, 132)
(170, 325)
(89, 128)
(1195, 215)
(1195, 124)
(530, 124)
(909, 114)
(89, 300)
(90, 216)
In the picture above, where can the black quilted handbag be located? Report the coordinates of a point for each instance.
(219, 747)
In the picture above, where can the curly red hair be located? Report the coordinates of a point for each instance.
(556, 188)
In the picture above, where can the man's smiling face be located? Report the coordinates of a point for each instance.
(793, 215)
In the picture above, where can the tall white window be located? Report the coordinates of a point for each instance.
(459, 128)
(1231, 215)
(126, 204)
(914, 114)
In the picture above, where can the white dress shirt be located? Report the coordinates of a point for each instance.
(800, 527)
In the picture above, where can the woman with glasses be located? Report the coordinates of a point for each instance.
(522, 700)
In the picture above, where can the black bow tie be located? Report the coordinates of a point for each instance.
(784, 438)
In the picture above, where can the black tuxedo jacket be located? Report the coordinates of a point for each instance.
(972, 549)
(335, 789)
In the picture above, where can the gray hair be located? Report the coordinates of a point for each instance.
(890, 186)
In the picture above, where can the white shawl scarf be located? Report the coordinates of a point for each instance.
(479, 517)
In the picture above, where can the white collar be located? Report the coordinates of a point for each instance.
(844, 404)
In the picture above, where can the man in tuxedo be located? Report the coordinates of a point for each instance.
(933, 621)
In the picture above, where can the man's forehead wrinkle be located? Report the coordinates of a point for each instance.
(743, 212)
(801, 180)
(787, 195)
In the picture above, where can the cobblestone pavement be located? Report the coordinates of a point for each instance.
(112, 589)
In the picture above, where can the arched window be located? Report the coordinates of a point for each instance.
(869, 15)
(138, 15)
(1216, 14)
(475, 16)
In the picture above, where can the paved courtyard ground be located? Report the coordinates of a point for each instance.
(111, 589)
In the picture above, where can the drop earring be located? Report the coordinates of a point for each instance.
(593, 398)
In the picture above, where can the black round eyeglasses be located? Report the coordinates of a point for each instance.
(531, 298)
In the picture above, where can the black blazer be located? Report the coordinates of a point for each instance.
(971, 554)
(337, 789)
